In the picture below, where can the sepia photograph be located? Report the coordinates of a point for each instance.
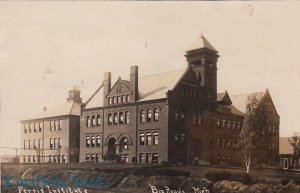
(150, 96)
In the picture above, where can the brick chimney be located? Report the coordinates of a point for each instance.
(74, 95)
(106, 86)
(134, 87)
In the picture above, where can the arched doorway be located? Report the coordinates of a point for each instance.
(111, 151)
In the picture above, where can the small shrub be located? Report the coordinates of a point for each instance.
(218, 176)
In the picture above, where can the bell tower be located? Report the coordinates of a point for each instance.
(202, 58)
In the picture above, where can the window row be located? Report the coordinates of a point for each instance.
(93, 158)
(33, 144)
(149, 115)
(33, 127)
(271, 130)
(94, 120)
(119, 99)
(93, 141)
(180, 138)
(55, 125)
(55, 143)
(118, 118)
(148, 158)
(189, 92)
(272, 148)
(226, 144)
(179, 115)
(149, 138)
(227, 124)
(39, 159)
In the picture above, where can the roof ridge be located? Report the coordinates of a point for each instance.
(248, 93)
(98, 89)
(162, 73)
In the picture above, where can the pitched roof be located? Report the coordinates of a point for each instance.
(224, 98)
(200, 43)
(240, 101)
(150, 87)
(68, 108)
(284, 146)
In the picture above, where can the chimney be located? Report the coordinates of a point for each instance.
(106, 86)
(44, 109)
(74, 95)
(134, 87)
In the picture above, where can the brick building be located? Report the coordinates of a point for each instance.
(52, 136)
(172, 116)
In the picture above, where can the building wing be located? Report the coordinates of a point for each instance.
(68, 108)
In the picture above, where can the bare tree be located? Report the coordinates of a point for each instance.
(253, 140)
(295, 143)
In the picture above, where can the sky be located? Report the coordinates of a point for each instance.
(47, 48)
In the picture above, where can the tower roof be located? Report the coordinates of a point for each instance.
(200, 43)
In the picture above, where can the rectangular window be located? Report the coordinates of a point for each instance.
(36, 126)
(56, 127)
(98, 158)
(148, 139)
(229, 124)
(142, 139)
(148, 157)
(30, 127)
(93, 158)
(123, 99)
(119, 99)
(87, 158)
(25, 128)
(40, 126)
(51, 125)
(24, 144)
(109, 100)
(154, 158)
(223, 123)
(128, 98)
(34, 143)
(40, 143)
(51, 143)
(59, 142)
(55, 143)
(141, 158)
(88, 141)
(218, 123)
(155, 138)
(93, 142)
(60, 125)
(98, 140)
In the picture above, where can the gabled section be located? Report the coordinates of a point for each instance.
(223, 99)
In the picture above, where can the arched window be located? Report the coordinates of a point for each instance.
(121, 118)
(98, 120)
(149, 115)
(127, 117)
(93, 120)
(109, 119)
(116, 118)
(123, 144)
(156, 114)
(88, 121)
(143, 116)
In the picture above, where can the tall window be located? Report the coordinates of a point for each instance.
(30, 127)
(25, 128)
(24, 144)
(87, 158)
(219, 143)
(40, 143)
(93, 120)
(87, 141)
(56, 125)
(143, 116)
(194, 118)
(128, 98)
(114, 100)
(156, 114)
(123, 144)
(98, 120)
(148, 139)
(88, 121)
(116, 118)
(34, 144)
(36, 126)
(51, 143)
(155, 138)
(149, 115)
(60, 125)
(59, 143)
(110, 119)
(40, 126)
(123, 99)
(55, 143)
(223, 143)
(93, 141)
(148, 157)
(121, 118)
(119, 99)
(218, 123)
(182, 138)
(142, 139)
(127, 117)
(98, 141)
(109, 100)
